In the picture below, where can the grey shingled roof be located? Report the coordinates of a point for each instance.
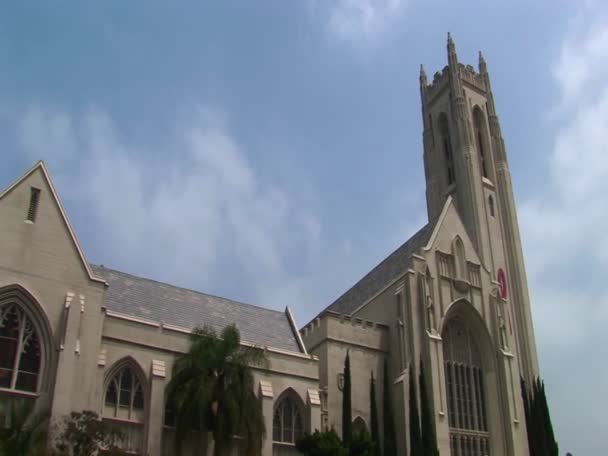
(391, 267)
(160, 302)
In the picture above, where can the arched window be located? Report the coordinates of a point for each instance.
(124, 397)
(446, 145)
(20, 351)
(478, 122)
(359, 426)
(287, 423)
(464, 378)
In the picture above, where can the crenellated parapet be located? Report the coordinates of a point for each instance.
(469, 76)
(440, 80)
(345, 329)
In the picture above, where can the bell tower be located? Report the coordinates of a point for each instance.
(465, 157)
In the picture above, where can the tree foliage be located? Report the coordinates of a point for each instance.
(416, 448)
(321, 444)
(26, 432)
(84, 434)
(212, 388)
(427, 430)
(329, 444)
(347, 419)
(541, 437)
(390, 438)
(373, 413)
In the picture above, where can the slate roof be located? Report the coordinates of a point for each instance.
(391, 267)
(161, 302)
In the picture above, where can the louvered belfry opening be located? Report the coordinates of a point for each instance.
(464, 376)
(32, 210)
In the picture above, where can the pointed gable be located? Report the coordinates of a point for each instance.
(447, 227)
(36, 235)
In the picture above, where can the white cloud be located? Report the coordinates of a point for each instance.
(362, 22)
(566, 241)
(175, 219)
(583, 55)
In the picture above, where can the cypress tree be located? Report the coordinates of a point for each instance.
(390, 440)
(541, 430)
(416, 448)
(541, 438)
(551, 444)
(347, 420)
(527, 413)
(429, 439)
(373, 413)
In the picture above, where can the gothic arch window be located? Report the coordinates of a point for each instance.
(460, 258)
(480, 140)
(359, 426)
(465, 386)
(20, 349)
(446, 145)
(124, 393)
(287, 422)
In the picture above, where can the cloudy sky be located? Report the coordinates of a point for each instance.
(270, 151)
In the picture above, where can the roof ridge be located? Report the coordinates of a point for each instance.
(102, 267)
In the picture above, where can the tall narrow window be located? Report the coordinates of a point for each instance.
(479, 138)
(491, 205)
(446, 144)
(460, 258)
(33, 207)
(287, 423)
(465, 390)
(399, 306)
(124, 395)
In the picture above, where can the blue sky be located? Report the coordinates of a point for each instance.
(271, 151)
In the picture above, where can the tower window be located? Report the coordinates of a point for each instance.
(491, 205)
(444, 130)
(33, 207)
(479, 137)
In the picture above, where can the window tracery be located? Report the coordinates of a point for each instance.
(464, 377)
(124, 396)
(478, 122)
(20, 350)
(287, 423)
(446, 144)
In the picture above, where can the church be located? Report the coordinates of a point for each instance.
(451, 301)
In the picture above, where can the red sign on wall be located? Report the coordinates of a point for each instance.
(502, 283)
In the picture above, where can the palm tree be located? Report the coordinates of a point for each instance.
(212, 388)
(26, 432)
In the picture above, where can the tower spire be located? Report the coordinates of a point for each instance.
(423, 80)
(452, 57)
(482, 64)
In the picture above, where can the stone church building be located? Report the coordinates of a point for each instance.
(76, 336)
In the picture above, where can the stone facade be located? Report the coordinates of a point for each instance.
(453, 297)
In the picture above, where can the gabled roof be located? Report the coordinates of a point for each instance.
(42, 167)
(379, 277)
(167, 304)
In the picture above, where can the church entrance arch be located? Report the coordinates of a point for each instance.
(469, 382)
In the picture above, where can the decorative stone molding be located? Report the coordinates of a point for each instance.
(101, 358)
(266, 389)
(158, 368)
(66, 314)
(314, 398)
